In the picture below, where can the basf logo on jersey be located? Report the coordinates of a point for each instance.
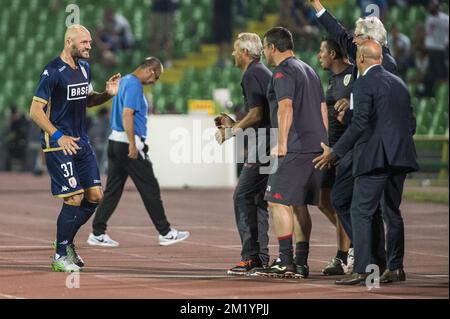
(77, 91)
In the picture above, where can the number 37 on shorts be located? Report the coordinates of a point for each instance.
(71, 175)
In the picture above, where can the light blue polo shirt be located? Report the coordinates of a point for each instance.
(130, 95)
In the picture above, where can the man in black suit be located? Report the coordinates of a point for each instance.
(381, 135)
(341, 195)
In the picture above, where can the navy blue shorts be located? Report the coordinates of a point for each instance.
(73, 174)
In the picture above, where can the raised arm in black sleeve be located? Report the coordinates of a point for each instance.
(339, 34)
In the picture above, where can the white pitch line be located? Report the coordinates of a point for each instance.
(24, 247)
(10, 296)
(27, 238)
(127, 282)
(426, 254)
(162, 276)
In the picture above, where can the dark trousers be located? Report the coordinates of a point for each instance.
(381, 188)
(436, 71)
(341, 196)
(252, 217)
(120, 166)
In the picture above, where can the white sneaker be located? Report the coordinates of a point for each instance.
(174, 236)
(64, 264)
(103, 240)
(350, 261)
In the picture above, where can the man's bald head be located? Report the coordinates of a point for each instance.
(369, 53)
(77, 42)
(74, 31)
(371, 49)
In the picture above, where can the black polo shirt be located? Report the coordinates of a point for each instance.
(254, 87)
(295, 80)
(339, 87)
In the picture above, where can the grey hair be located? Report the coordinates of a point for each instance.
(252, 43)
(372, 27)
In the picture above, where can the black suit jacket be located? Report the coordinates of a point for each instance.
(383, 125)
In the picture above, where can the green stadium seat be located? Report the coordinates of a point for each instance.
(181, 105)
(442, 93)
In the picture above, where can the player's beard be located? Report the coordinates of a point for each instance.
(76, 53)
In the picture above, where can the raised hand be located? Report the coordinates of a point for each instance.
(112, 85)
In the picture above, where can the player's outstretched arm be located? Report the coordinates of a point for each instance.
(112, 87)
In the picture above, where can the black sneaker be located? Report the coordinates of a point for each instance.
(278, 270)
(244, 267)
(334, 268)
(301, 271)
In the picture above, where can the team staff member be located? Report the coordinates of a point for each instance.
(341, 195)
(127, 156)
(298, 111)
(340, 83)
(381, 133)
(59, 109)
(250, 208)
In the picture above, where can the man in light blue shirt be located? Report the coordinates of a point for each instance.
(127, 156)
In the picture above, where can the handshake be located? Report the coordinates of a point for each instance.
(224, 125)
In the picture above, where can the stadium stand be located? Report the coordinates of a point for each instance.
(33, 34)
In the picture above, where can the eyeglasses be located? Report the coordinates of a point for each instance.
(360, 36)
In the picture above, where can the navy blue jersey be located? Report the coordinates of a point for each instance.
(65, 91)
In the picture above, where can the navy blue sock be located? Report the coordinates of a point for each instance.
(286, 251)
(85, 211)
(65, 226)
(301, 253)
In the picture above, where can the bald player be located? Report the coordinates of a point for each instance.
(381, 136)
(59, 109)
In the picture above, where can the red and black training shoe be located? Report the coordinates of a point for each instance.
(244, 267)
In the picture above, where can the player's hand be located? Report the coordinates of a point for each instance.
(279, 150)
(68, 144)
(340, 117)
(133, 151)
(224, 120)
(223, 134)
(112, 85)
(324, 161)
(342, 105)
